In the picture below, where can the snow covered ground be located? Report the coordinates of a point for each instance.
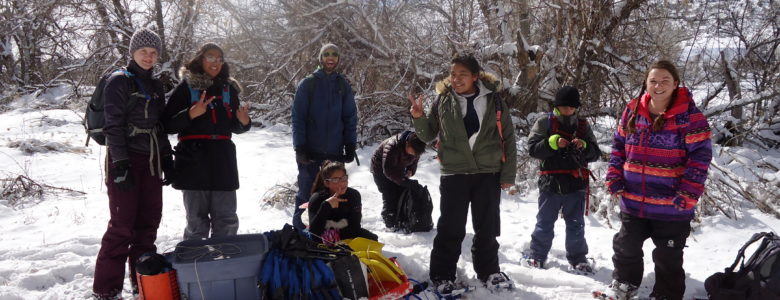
(48, 249)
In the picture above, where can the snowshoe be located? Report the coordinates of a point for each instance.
(499, 282)
(449, 290)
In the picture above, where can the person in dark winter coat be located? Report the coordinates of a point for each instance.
(204, 110)
(324, 123)
(565, 143)
(393, 162)
(335, 206)
(476, 149)
(661, 152)
(138, 154)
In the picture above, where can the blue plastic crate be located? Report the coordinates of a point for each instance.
(220, 268)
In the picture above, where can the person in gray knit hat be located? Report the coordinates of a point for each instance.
(138, 155)
(324, 118)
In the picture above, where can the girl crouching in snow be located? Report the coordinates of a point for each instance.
(334, 208)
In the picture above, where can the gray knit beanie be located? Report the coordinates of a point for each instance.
(326, 47)
(145, 37)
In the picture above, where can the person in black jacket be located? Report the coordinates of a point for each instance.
(335, 206)
(204, 111)
(565, 143)
(138, 154)
(393, 162)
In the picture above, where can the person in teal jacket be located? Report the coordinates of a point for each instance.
(478, 159)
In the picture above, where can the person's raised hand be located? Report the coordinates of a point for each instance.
(417, 106)
(243, 114)
(335, 200)
(199, 108)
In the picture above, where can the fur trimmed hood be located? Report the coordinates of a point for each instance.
(202, 81)
(490, 81)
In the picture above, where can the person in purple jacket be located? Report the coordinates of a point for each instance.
(393, 162)
(138, 153)
(660, 156)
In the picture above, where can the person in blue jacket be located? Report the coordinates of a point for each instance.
(324, 123)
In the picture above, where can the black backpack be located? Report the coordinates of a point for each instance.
(757, 279)
(415, 208)
(94, 117)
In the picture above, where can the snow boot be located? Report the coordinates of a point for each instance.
(623, 290)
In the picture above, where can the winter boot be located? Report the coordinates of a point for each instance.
(498, 282)
(623, 290)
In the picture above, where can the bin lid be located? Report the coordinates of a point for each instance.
(219, 248)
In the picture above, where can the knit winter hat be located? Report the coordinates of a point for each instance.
(326, 47)
(145, 37)
(567, 96)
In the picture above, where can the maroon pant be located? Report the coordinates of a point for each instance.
(135, 216)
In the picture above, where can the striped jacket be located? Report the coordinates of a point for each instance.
(661, 173)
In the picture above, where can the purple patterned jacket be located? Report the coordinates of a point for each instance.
(661, 174)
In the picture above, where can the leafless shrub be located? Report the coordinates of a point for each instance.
(21, 191)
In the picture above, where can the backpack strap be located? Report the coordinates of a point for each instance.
(499, 109)
(137, 82)
(741, 253)
(195, 97)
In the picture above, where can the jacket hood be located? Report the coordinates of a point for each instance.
(490, 81)
(203, 81)
(680, 105)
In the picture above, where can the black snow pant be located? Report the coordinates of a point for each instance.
(391, 192)
(483, 192)
(669, 238)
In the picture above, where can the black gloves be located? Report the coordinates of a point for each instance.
(121, 174)
(168, 170)
(349, 153)
(301, 155)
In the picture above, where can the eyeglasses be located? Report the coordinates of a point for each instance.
(326, 54)
(338, 179)
(213, 59)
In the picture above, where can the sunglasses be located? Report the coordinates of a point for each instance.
(327, 54)
(338, 179)
(213, 59)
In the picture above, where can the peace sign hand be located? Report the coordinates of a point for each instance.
(335, 200)
(199, 108)
(417, 106)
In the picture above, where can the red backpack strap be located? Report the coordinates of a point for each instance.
(499, 109)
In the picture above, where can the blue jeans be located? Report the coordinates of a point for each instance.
(306, 175)
(573, 207)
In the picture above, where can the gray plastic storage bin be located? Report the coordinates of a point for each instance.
(221, 268)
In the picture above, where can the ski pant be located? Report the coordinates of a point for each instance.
(132, 229)
(306, 175)
(213, 211)
(669, 238)
(391, 192)
(483, 192)
(572, 205)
